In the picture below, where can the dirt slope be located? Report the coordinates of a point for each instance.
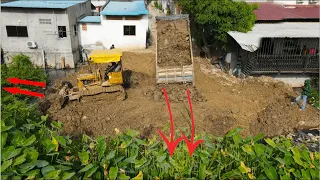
(220, 103)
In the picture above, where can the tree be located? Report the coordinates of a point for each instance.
(214, 18)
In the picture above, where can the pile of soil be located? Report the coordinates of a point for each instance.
(176, 93)
(173, 44)
(220, 103)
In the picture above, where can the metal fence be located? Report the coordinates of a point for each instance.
(284, 56)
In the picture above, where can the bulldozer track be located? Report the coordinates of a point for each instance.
(98, 90)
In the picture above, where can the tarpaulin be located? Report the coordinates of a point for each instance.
(105, 56)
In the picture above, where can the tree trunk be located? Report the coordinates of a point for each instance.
(205, 42)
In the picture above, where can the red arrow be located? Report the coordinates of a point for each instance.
(173, 143)
(26, 82)
(191, 146)
(15, 90)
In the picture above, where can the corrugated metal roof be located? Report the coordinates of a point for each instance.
(90, 19)
(132, 8)
(271, 11)
(251, 40)
(41, 4)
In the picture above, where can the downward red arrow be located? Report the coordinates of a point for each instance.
(191, 146)
(15, 90)
(172, 144)
(26, 82)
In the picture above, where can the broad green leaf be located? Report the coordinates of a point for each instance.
(297, 173)
(91, 171)
(32, 154)
(67, 175)
(285, 177)
(84, 157)
(47, 169)
(271, 173)
(282, 161)
(131, 159)
(57, 125)
(9, 152)
(19, 160)
(32, 174)
(111, 155)
(101, 147)
(161, 156)
(259, 149)
(53, 174)
(123, 177)
(314, 173)
(113, 173)
(49, 145)
(247, 148)
(305, 174)
(132, 133)
(41, 163)
(55, 143)
(4, 137)
(258, 137)
(236, 139)
(61, 140)
(5, 165)
(270, 142)
(6, 128)
(26, 167)
(125, 144)
(140, 162)
(16, 178)
(202, 171)
(86, 168)
(234, 132)
(17, 138)
(29, 141)
(63, 168)
(296, 156)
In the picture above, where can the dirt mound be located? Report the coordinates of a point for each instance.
(176, 93)
(281, 117)
(173, 45)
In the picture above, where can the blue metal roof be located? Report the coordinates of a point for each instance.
(90, 19)
(42, 4)
(132, 8)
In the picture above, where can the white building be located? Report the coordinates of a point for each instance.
(124, 24)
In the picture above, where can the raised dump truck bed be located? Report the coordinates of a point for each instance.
(174, 59)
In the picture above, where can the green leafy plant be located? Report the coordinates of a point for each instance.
(314, 99)
(168, 11)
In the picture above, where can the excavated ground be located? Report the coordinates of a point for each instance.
(220, 103)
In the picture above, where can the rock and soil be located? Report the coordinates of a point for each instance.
(173, 44)
(220, 103)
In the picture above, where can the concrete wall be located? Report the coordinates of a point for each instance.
(45, 35)
(110, 32)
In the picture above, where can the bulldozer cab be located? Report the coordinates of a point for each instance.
(112, 75)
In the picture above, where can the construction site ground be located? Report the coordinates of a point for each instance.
(220, 103)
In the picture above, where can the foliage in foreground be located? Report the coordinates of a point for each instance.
(36, 150)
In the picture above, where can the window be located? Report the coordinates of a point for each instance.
(114, 17)
(75, 30)
(129, 30)
(17, 31)
(133, 17)
(62, 31)
(44, 21)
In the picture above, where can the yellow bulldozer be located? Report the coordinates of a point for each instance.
(97, 81)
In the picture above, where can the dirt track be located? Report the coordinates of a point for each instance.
(220, 103)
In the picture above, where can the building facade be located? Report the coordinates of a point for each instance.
(124, 24)
(47, 31)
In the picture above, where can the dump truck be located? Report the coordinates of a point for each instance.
(97, 80)
(174, 58)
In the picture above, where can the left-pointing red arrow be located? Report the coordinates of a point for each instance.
(26, 82)
(15, 90)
